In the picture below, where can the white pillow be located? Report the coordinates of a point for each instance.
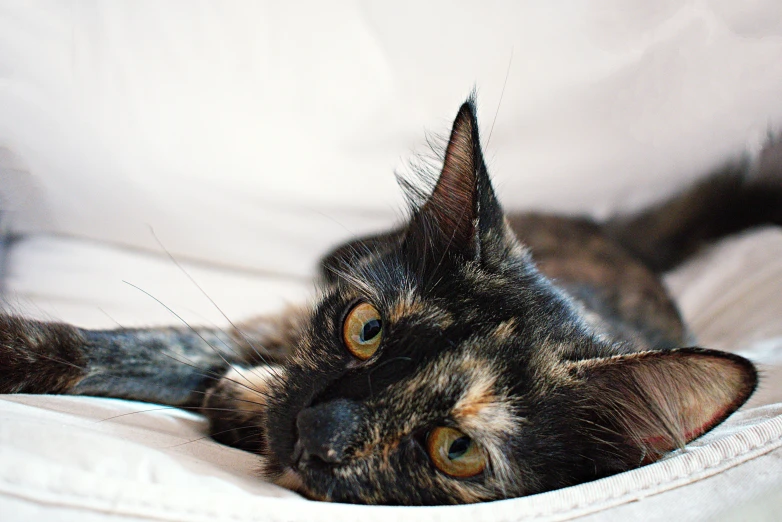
(257, 135)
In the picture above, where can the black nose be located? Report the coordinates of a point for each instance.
(327, 430)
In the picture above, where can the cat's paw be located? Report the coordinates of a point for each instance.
(38, 357)
(236, 407)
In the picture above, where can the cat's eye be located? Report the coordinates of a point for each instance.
(454, 453)
(362, 331)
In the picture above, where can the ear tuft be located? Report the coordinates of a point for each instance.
(659, 401)
(461, 219)
(453, 203)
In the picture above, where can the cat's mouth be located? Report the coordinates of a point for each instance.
(303, 478)
(305, 469)
(296, 476)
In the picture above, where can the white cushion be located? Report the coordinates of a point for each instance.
(68, 458)
(251, 137)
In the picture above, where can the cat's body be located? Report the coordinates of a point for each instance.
(446, 361)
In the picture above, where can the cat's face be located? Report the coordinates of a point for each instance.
(440, 367)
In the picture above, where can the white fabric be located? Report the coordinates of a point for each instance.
(256, 135)
(253, 136)
(143, 466)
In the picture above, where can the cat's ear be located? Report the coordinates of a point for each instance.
(462, 208)
(646, 404)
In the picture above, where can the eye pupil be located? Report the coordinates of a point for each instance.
(455, 453)
(362, 331)
(371, 330)
(459, 447)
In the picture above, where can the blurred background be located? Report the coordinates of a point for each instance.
(249, 137)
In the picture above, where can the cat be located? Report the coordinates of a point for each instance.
(463, 356)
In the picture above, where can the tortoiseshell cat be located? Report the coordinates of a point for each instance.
(464, 356)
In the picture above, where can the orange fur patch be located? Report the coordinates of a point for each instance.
(504, 330)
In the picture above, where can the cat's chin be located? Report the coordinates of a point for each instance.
(291, 479)
(294, 480)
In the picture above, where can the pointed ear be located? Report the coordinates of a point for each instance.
(462, 204)
(655, 402)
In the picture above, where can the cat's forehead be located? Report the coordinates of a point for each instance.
(462, 374)
(429, 287)
(408, 303)
(466, 310)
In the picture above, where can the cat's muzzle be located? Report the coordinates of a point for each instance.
(327, 431)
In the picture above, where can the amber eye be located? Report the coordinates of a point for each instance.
(454, 453)
(363, 330)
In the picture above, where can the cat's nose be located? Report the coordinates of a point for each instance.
(327, 430)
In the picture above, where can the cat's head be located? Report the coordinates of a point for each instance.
(440, 367)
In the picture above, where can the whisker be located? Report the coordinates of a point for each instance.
(204, 373)
(60, 361)
(104, 312)
(211, 435)
(502, 94)
(400, 358)
(198, 408)
(253, 368)
(188, 325)
(203, 292)
(229, 397)
(242, 439)
(195, 440)
(218, 377)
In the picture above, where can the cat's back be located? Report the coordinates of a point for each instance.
(620, 293)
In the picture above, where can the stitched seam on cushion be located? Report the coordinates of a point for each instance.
(69, 500)
(771, 443)
(72, 506)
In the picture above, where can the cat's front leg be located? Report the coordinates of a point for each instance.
(165, 365)
(172, 366)
(226, 374)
